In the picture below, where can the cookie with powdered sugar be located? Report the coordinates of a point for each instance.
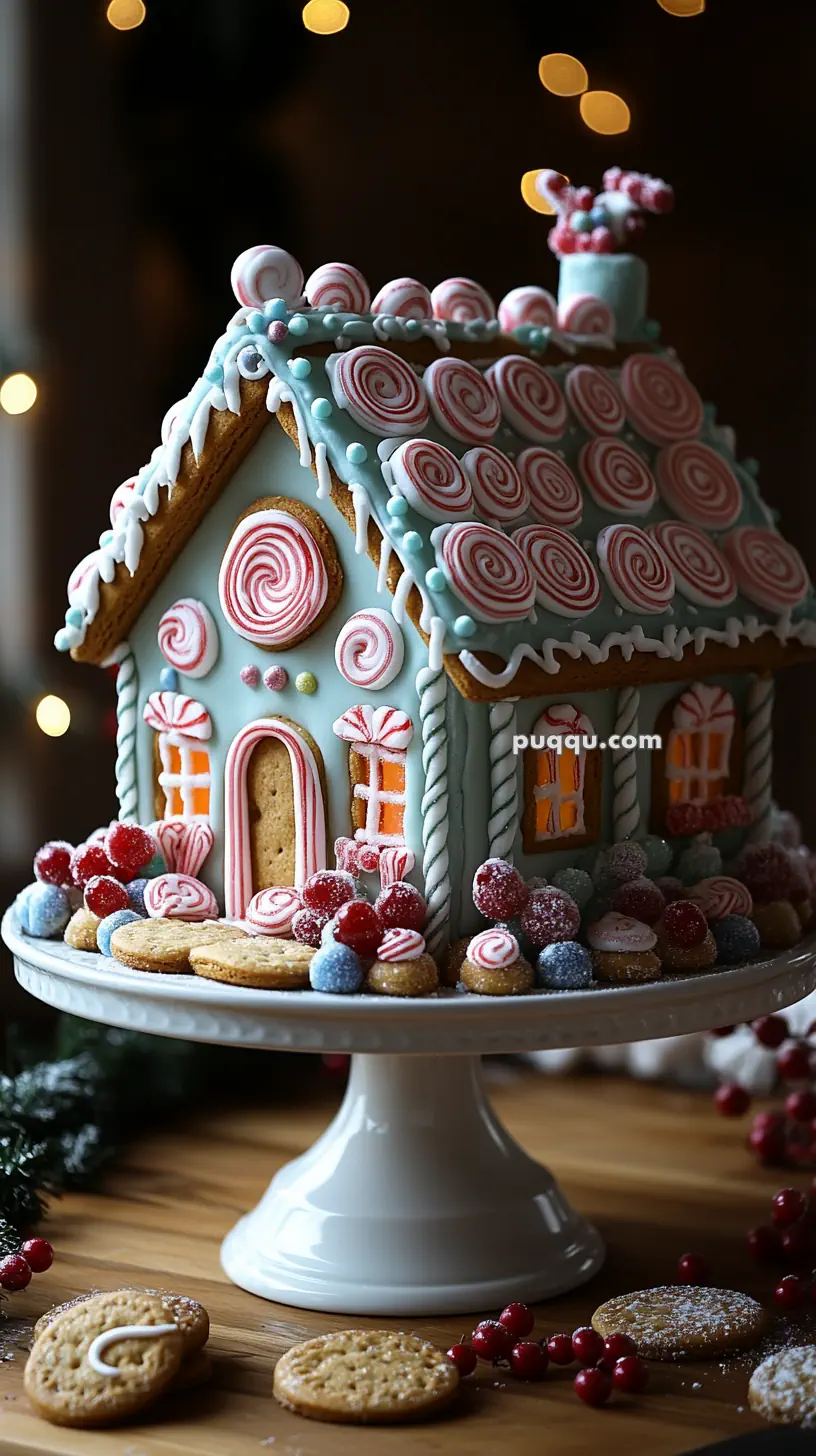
(683, 1321)
(783, 1387)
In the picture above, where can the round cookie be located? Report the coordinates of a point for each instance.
(259, 961)
(191, 1317)
(165, 945)
(783, 1387)
(417, 977)
(80, 932)
(689, 957)
(626, 967)
(511, 980)
(357, 1376)
(677, 1321)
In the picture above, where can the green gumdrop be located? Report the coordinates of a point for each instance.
(156, 866)
(658, 854)
(698, 862)
(575, 883)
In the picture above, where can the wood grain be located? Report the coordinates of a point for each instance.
(658, 1171)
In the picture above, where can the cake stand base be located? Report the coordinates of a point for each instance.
(415, 1201)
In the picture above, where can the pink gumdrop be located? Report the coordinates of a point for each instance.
(275, 678)
(250, 675)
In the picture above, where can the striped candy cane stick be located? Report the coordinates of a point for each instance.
(503, 821)
(625, 806)
(759, 755)
(431, 687)
(127, 690)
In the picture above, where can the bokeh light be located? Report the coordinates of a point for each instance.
(605, 112)
(17, 394)
(682, 7)
(562, 74)
(53, 716)
(126, 14)
(533, 198)
(325, 17)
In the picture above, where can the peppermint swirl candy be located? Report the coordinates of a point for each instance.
(462, 401)
(462, 301)
(264, 272)
(615, 933)
(769, 571)
(636, 570)
(404, 298)
(530, 399)
(493, 950)
(618, 478)
(595, 400)
(338, 285)
(498, 489)
(401, 945)
(555, 496)
(699, 485)
(273, 581)
(431, 479)
(702, 573)
(380, 391)
(721, 895)
(533, 307)
(586, 314)
(660, 402)
(369, 650)
(119, 500)
(179, 897)
(271, 911)
(188, 637)
(566, 581)
(487, 572)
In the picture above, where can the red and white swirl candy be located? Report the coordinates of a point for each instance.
(586, 314)
(462, 301)
(493, 950)
(170, 712)
(487, 572)
(185, 843)
(404, 298)
(699, 485)
(270, 912)
(702, 573)
(119, 500)
(595, 400)
(618, 478)
(530, 399)
(533, 307)
(369, 650)
(721, 895)
(401, 945)
(179, 897)
(660, 401)
(188, 638)
(555, 495)
(431, 479)
(498, 489)
(273, 580)
(338, 285)
(265, 272)
(462, 401)
(566, 581)
(395, 863)
(380, 391)
(636, 570)
(769, 571)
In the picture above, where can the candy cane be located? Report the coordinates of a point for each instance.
(503, 821)
(625, 806)
(265, 272)
(769, 571)
(271, 911)
(635, 568)
(699, 484)
(758, 764)
(595, 400)
(487, 572)
(404, 298)
(498, 489)
(493, 950)
(555, 496)
(380, 391)
(661, 403)
(188, 637)
(273, 581)
(396, 861)
(462, 301)
(530, 307)
(462, 401)
(702, 573)
(432, 690)
(618, 478)
(338, 285)
(431, 479)
(566, 581)
(401, 945)
(530, 399)
(370, 648)
(127, 692)
(179, 897)
(347, 854)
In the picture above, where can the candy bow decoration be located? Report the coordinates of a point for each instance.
(387, 728)
(602, 222)
(176, 713)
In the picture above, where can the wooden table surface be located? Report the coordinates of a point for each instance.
(657, 1169)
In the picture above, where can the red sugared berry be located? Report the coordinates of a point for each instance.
(584, 198)
(529, 1360)
(632, 186)
(770, 1031)
(684, 924)
(550, 916)
(104, 894)
(358, 926)
(556, 182)
(641, 899)
(768, 871)
(492, 1341)
(499, 892)
(603, 240)
(401, 907)
(789, 1293)
(307, 927)
(587, 1345)
(793, 1062)
(464, 1357)
(630, 1374)
(731, 1099)
(795, 1242)
(327, 890)
(38, 1254)
(87, 861)
(518, 1318)
(593, 1385)
(15, 1273)
(562, 240)
(616, 1347)
(800, 1106)
(788, 1206)
(763, 1243)
(52, 863)
(559, 1349)
(129, 847)
(670, 888)
(693, 1269)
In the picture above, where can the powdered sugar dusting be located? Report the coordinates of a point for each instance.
(783, 1387)
(674, 1321)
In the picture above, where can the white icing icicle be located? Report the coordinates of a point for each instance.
(127, 689)
(759, 755)
(322, 471)
(504, 799)
(362, 512)
(385, 560)
(97, 1347)
(625, 806)
(432, 690)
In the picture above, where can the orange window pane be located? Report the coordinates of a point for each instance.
(678, 753)
(201, 801)
(175, 805)
(544, 768)
(392, 780)
(392, 777)
(569, 814)
(391, 819)
(569, 770)
(199, 761)
(173, 758)
(543, 818)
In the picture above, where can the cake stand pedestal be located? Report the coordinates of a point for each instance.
(415, 1201)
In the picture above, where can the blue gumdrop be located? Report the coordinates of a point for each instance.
(658, 854)
(564, 966)
(736, 938)
(337, 969)
(599, 217)
(21, 906)
(155, 866)
(168, 680)
(136, 893)
(575, 883)
(699, 862)
(106, 927)
(48, 910)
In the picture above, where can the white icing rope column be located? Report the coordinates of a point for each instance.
(625, 806)
(127, 688)
(504, 798)
(759, 755)
(431, 686)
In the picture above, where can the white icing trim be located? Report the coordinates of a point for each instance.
(625, 806)
(759, 755)
(504, 796)
(432, 689)
(97, 1347)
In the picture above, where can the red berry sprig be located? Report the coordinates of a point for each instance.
(33, 1257)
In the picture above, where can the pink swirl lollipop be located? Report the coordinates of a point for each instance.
(380, 391)
(404, 298)
(595, 400)
(119, 500)
(529, 397)
(432, 480)
(271, 911)
(534, 307)
(273, 581)
(462, 401)
(555, 496)
(566, 581)
(487, 572)
(493, 950)
(266, 272)
(369, 649)
(702, 574)
(461, 301)
(660, 402)
(699, 485)
(401, 945)
(586, 314)
(338, 285)
(721, 895)
(769, 571)
(636, 570)
(179, 897)
(618, 478)
(499, 491)
(188, 638)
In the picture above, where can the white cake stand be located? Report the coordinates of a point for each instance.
(415, 1201)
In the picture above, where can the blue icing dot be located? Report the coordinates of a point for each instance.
(581, 222)
(397, 506)
(64, 639)
(464, 626)
(411, 327)
(74, 617)
(357, 329)
(168, 679)
(336, 968)
(538, 338)
(275, 308)
(356, 454)
(300, 368)
(106, 538)
(412, 541)
(736, 938)
(106, 927)
(256, 321)
(155, 866)
(321, 409)
(564, 966)
(435, 579)
(136, 891)
(331, 323)
(298, 324)
(699, 862)
(659, 855)
(575, 883)
(48, 910)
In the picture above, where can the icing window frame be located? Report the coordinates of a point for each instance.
(378, 777)
(565, 786)
(183, 785)
(701, 757)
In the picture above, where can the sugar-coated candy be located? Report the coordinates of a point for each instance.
(767, 870)
(537, 882)
(88, 860)
(641, 899)
(104, 894)
(698, 862)
(326, 890)
(785, 828)
(401, 907)
(599, 905)
(47, 909)
(106, 927)
(659, 855)
(619, 863)
(129, 847)
(575, 883)
(736, 938)
(135, 891)
(683, 924)
(155, 867)
(499, 892)
(307, 926)
(327, 935)
(564, 966)
(21, 906)
(359, 926)
(52, 862)
(337, 969)
(670, 888)
(549, 915)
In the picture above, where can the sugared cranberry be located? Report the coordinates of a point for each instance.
(617, 1347)
(129, 847)
(593, 1385)
(401, 907)
(693, 1269)
(358, 925)
(498, 890)
(630, 1374)
(307, 927)
(763, 1244)
(104, 895)
(731, 1099)
(800, 1106)
(38, 1254)
(684, 924)
(464, 1357)
(790, 1292)
(529, 1360)
(559, 1349)
(770, 1031)
(87, 861)
(788, 1206)
(795, 1243)
(518, 1318)
(587, 1345)
(793, 1062)
(327, 890)
(52, 863)
(492, 1341)
(15, 1273)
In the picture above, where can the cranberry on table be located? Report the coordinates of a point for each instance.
(684, 924)
(800, 1106)
(767, 1140)
(790, 1292)
(593, 1385)
(38, 1255)
(492, 1341)
(616, 1347)
(358, 926)
(52, 863)
(518, 1318)
(731, 1099)
(770, 1031)
(464, 1357)
(693, 1269)
(587, 1345)
(764, 1244)
(788, 1205)
(15, 1273)
(630, 1374)
(559, 1349)
(498, 890)
(793, 1062)
(529, 1360)
(795, 1242)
